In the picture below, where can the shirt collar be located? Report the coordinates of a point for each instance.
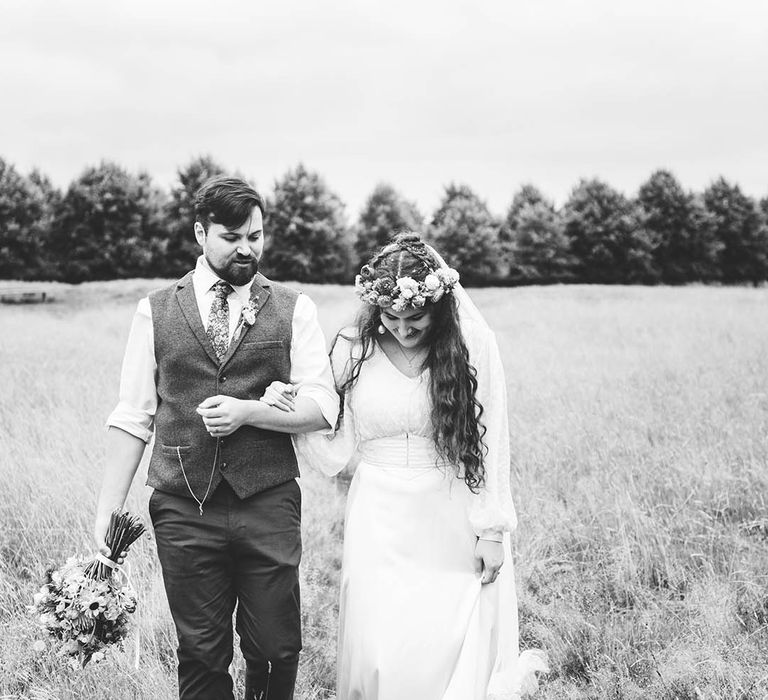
(204, 278)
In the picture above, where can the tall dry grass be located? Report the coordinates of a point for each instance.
(638, 422)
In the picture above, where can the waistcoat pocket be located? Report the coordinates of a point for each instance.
(175, 449)
(262, 344)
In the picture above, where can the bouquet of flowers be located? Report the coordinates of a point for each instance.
(84, 605)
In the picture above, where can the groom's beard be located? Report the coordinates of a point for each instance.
(239, 271)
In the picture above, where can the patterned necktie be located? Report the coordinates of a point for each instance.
(218, 319)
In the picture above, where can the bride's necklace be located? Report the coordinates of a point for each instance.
(414, 371)
(410, 360)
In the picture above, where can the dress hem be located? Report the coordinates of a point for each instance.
(521, 680)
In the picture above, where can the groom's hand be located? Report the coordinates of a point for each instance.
(100, 528)
(223, 415)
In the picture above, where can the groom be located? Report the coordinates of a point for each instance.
(226, 505)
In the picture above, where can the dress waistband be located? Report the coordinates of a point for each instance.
(401, 451)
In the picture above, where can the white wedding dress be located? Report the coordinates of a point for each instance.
(415, 623)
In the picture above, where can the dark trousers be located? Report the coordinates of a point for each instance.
(243, 552)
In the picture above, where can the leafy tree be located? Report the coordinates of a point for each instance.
(385, 212)
(606, 236)
(108, 226)
(25, 208)
(684, 247)
(466, 234)
(48, 199)
(705, 247)
(308, 237)
(181, 249)
(154, 202)
(534, 241)
(741, 231)
(527, 195)
(15, 219)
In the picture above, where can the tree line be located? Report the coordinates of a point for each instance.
(110, 224)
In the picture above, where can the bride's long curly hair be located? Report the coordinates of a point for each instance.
(457, 429)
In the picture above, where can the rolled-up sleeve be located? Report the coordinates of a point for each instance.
(310, 366)
(135, 411)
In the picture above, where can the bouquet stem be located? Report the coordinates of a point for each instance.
(124, 529)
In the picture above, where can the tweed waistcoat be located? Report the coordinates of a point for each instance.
(188, 371)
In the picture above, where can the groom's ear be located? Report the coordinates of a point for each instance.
(199, 233)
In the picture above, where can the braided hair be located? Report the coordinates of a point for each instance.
(457, 430)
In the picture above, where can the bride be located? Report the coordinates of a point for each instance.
(428, 609)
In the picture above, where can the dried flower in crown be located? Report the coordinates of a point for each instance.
(404, 292)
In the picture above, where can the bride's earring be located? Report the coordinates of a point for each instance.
(381, 329)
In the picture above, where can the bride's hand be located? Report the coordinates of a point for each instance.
(280, 395)
(489, 556)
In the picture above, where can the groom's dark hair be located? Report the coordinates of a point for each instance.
(226, 200)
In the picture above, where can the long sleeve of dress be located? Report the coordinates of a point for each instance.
(492, 511)
(331, 453)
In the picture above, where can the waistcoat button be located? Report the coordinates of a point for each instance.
(223, 466)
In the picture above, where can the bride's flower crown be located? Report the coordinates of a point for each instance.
(404, 292)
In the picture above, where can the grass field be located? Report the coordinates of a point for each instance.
(639, 424)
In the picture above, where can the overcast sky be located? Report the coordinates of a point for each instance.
(417, 93)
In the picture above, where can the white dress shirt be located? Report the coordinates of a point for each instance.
(310, 368)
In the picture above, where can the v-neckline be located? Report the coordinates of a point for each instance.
(396, 368)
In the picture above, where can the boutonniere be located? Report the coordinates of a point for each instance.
(247, 317)
(249, 313)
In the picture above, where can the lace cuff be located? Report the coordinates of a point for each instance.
(331, 453)
(492, 510)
